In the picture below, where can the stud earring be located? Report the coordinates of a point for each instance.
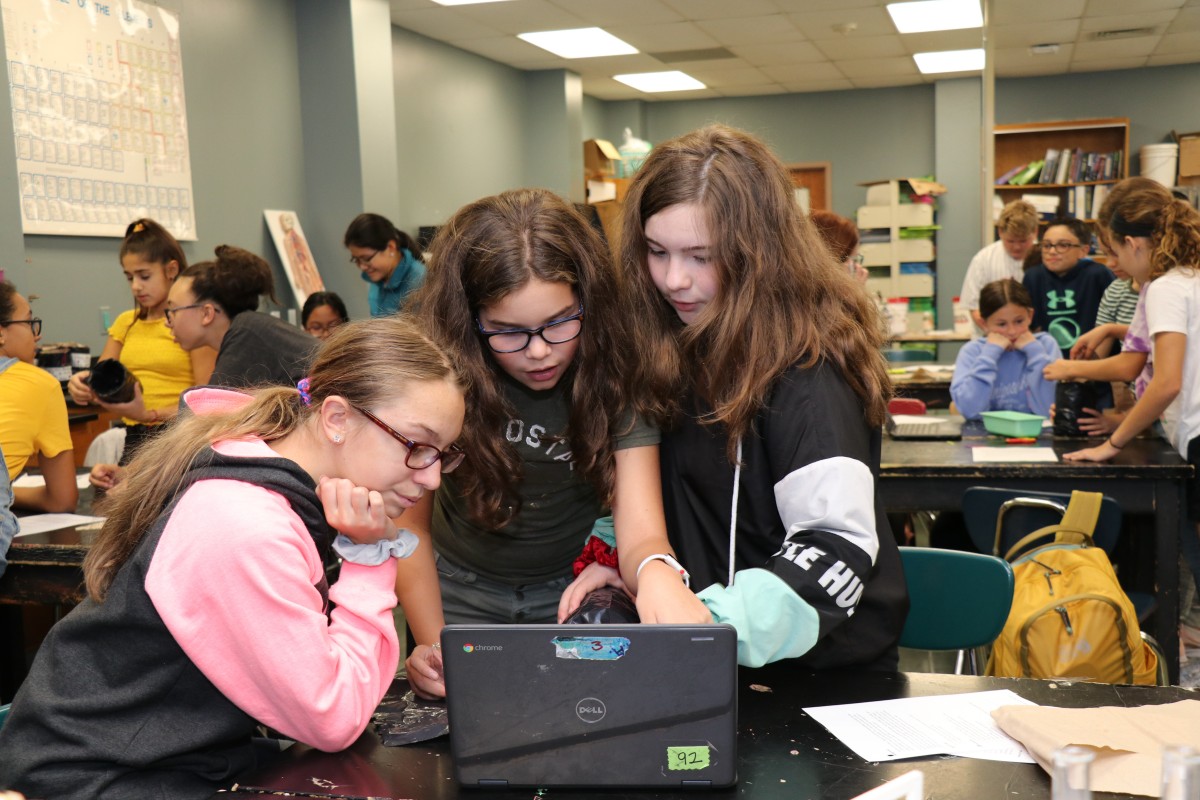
(337, 438)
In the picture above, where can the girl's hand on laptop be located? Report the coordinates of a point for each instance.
(594, 576)
(663, 597)
(424, 666)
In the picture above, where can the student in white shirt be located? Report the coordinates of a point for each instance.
(1003, 258)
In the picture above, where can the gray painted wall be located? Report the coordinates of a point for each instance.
(241, 78)
(958, 159)
(868, 134)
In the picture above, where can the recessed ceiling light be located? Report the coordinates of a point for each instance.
(579, 43)
(670, 81)
(936, 15)
(950, 61)
(465, 2)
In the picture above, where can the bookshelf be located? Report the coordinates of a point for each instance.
(1024, 143)
(900, 266)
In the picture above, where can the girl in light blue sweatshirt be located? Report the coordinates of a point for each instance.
(1003, 370)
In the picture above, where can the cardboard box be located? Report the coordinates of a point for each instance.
(601, 191)
(1189, 155)
(600, 159)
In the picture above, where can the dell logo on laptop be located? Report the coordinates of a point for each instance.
(590, 709)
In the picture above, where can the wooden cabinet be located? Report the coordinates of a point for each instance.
(1020, 144)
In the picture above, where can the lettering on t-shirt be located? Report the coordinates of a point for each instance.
(838, 579)
(519, 433)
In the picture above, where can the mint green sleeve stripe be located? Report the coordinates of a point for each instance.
(772, 621)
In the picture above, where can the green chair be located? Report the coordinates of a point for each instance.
(958, 601)
(4, 709)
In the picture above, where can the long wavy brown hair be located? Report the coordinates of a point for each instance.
(1175, 240)
(487, 250)
(781, 300)
(367, 363)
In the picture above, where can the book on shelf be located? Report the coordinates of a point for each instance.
(1064, 167)
(1026, 175)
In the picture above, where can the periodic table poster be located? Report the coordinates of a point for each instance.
(98, 116)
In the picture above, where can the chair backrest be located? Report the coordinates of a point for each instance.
(4, 709)
(1014, 513)
(957, 600)
(906, 405)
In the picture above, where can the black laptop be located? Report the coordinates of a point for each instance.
(646, 706)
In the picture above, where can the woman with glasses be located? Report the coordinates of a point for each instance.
(389, 259)
(208, 611)
(521, 289)
(214, 304)
(33, 413)
(322, 312)
(151, 260)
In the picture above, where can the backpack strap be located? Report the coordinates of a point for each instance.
(1076, 527)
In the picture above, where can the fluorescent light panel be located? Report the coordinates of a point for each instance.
(670, 81)
(936, 15)
(579, 43)
(950, 61)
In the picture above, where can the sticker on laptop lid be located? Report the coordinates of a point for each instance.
(687, 758)
(590, 648)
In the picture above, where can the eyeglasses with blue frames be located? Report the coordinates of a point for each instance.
(35, 324)
(420, 455)
(514, 340)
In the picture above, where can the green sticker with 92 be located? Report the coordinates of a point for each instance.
(694, 757)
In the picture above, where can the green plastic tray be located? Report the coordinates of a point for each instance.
(1012, 423)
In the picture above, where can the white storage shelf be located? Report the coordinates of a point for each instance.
(885, 211)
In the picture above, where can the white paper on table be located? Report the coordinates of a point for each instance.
(28, 481)
(957, 724)
(1013, 455)
(41, 523)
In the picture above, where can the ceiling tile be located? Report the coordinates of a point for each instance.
(443, 24)
(1153, 19)
(719, 75)
(608, 89)
(616, 65)
(1179, 43)
(882, 81)
(1010, 12)
(1107, 64)
(1116, 48)
(867, 21)
(751, 30)
(1101, 8)
(1173, 58)
(663, 38)
(521, 16)
(696, 94)
(807, 6)
(768, 54)
(1188, 19)
(401, 5)
(721, 9)
(617, 12)
(752, 90)
(1019, 58)
(803, 73)
(1027, 71)
(819, 86)
(862, 47)
(889, 67)
(1026, 35)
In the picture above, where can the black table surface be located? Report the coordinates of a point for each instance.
(783, 753)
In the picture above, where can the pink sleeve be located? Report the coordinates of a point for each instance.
(234, 578)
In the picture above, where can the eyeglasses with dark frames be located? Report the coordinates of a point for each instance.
(362, 261)
(514, 340)
(35, 324)
(316, 327)
(170, 313)
(1060, 247)
(420, 455)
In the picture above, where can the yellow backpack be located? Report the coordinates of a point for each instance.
(1070, 618)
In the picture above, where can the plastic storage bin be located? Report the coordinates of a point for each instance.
(1012, 423)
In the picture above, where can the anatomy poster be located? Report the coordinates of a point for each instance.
(293, 249)
(99, 119)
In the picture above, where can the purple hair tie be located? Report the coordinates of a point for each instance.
(305, 394)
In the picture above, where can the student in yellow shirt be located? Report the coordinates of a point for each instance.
(33, 413)
(151, 259)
